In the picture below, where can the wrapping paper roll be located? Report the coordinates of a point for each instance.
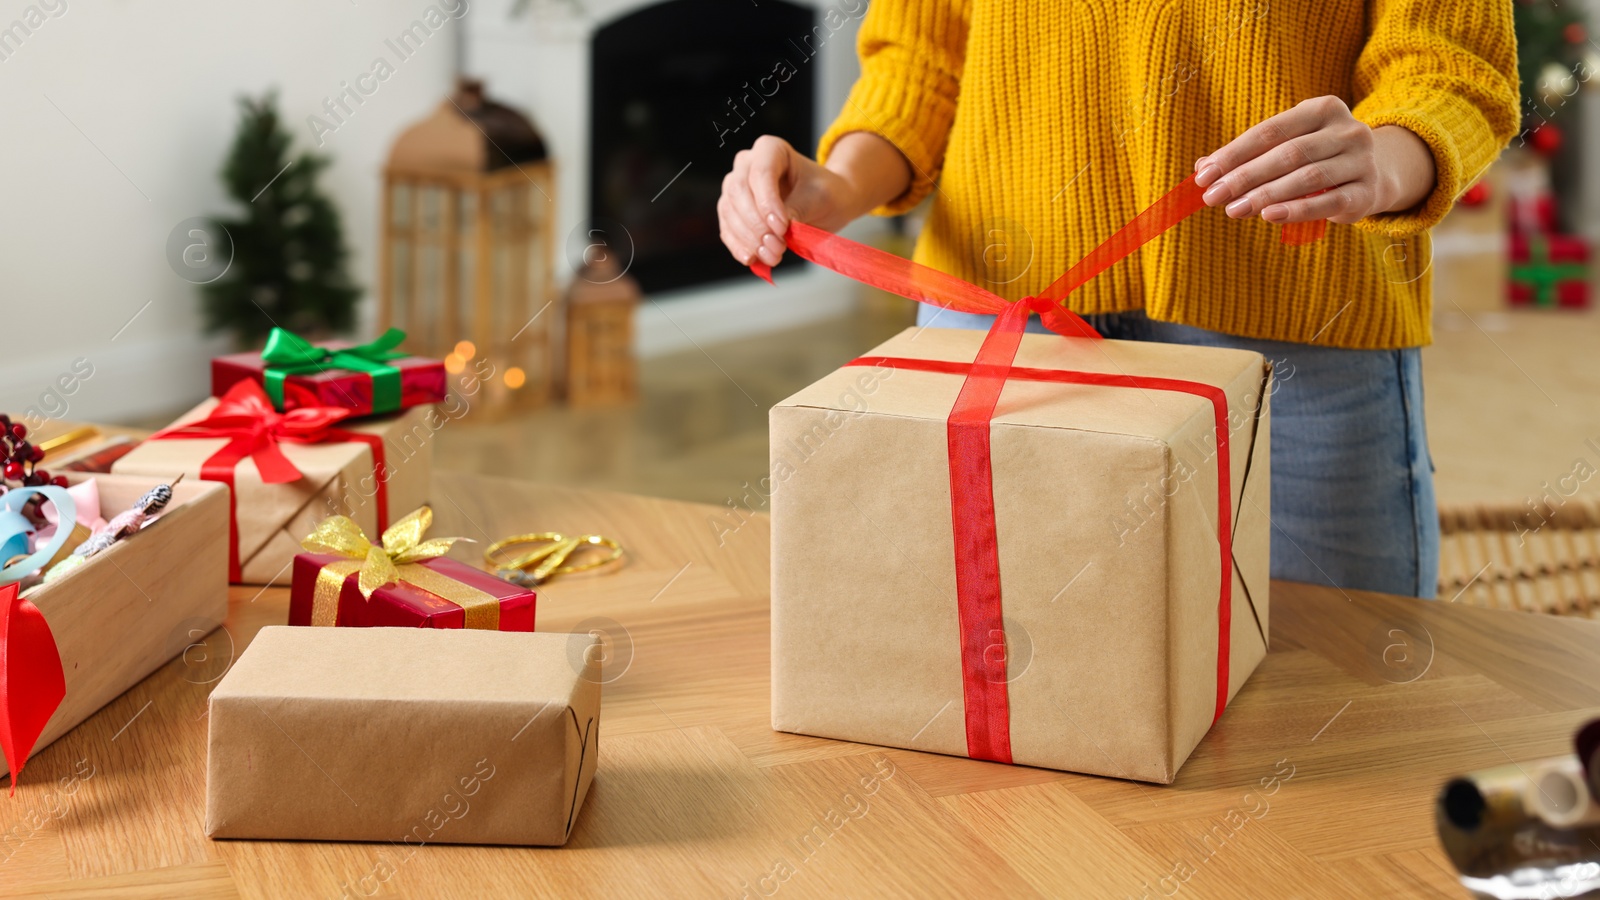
(1496, 825)
(1558, 793)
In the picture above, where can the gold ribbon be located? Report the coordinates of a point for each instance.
(396, 561)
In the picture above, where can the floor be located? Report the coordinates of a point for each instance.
(1513, 403)
(698, 432)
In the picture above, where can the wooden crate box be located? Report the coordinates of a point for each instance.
(131, 608)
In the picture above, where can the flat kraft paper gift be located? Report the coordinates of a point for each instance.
(337, 475)
(1125, 627)
(408, 735)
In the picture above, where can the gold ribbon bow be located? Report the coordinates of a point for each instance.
(396, 561)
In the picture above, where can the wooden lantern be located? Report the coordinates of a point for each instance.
(601, 369)
(468, 214)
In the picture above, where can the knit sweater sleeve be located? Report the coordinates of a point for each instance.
(1447, 71)
(912, 53)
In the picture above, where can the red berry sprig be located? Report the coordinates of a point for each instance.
(19, 460)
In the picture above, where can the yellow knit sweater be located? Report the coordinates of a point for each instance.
(1044, 126)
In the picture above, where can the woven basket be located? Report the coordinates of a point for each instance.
(1537, 559)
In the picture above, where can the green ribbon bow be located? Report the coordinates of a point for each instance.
(1543, 275)
(288, 354)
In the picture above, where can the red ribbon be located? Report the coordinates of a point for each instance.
(32, 682)
(977, 549)
(244, 415)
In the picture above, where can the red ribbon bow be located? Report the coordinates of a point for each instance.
(32, 682)
(245, 416)
(977, 548)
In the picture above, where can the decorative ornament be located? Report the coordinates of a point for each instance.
(1556, 83)
(1477, 195)
(1547, 140)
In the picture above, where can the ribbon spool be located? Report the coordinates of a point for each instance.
(10, 512)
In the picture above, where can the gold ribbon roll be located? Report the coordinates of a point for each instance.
(396, 561)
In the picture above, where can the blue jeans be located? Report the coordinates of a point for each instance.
(1352, 482)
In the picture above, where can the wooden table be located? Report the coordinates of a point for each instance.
(1364, 706)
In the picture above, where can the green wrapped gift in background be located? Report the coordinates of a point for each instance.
(368, 379)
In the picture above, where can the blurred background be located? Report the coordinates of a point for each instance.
(527, 187)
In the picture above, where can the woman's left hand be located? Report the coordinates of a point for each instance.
(1318, 148)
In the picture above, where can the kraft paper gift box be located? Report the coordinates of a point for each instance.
(365, 378)
(408, 735)
(338, 474)
(129, 609)
(1120, 606)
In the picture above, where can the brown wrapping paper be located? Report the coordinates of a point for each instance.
(1106, 501)
(410, 735)
(339, 480)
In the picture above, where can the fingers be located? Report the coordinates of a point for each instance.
(1323, 175)
(1315, 161)
(770, 166)
(1307, 152)
(736, 233)
(1345, 205)
(750, 210)
(1303, 119)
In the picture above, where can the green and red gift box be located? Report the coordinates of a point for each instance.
(366, 379)
(1549, 270)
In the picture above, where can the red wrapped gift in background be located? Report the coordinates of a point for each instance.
(345, 580)
(1550, 270)
(365, 379)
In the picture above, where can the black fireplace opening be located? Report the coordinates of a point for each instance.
(678, 89)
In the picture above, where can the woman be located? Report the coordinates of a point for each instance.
(1040, 129)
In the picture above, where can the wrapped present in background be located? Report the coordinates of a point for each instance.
(289, 471)
(366, 379)
(430, 737)
(1550, 270)
(345, 580)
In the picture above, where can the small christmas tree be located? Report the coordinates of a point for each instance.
(289, 255)
(1550, 48)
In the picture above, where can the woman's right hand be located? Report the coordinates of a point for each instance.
(772, 184)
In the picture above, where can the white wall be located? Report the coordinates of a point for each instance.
(116, 118)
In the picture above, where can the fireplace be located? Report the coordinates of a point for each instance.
(541, 61)
(677, 88)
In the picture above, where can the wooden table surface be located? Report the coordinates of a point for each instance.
(1318, 782)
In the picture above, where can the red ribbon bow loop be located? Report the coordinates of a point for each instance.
(254, 430)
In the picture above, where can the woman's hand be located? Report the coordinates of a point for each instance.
(772, 184)
(1318, 148)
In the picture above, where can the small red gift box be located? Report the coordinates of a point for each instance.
(346, 580)
(405, 604)
(366, 379)
(1550, 270)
